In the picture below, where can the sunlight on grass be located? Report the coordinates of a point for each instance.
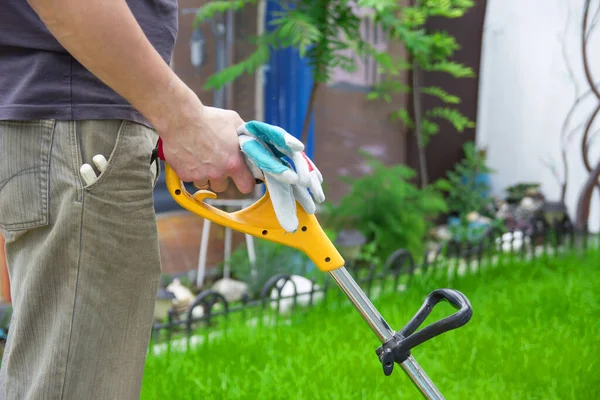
(534, 335)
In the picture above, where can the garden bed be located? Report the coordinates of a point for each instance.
(534, 334)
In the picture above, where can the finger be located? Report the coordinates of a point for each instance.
(201, 185)
(254, 170)
(245, 179)
(309, 176)
(266, 161)
(283, 203)
(272, 135)
(219, 185)
(320, 176)
(303, 168)
(316, 189)
(303, 197)
(293, 143)
(316, 171)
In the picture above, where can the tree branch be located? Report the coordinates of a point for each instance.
(416, 97)
(584, 140)
(585, 198)
(309, 110)
(584, 38)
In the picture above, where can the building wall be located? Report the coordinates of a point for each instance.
(346, 122)
(446, 148)
(526, 91)
(240, 95)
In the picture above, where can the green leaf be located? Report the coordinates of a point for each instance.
(380, 6)
(344, 62)
(443, 184)
(393, 86)
(210, 9)
(453, 116)
(414, 16)
(297, 30)
(403, 116)
(463, 3)
(373, 95)
(448, 8)
(231, 73)
(455, 69)
(440, 46)
(390, 64)
(428, 129)
(441, 94)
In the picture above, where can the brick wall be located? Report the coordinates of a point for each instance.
(244, 87)
(346, 122)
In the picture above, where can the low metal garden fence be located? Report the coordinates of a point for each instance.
(448, 259)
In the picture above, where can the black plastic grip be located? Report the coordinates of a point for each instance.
(456, 320)
(397, 349)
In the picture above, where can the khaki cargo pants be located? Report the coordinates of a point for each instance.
(83, 260)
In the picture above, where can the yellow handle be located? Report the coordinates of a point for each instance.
(259, 220)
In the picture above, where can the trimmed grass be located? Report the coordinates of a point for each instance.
(535, 334)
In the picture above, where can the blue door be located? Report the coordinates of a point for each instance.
(288, 81)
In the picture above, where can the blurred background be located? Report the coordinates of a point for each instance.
(458, 141)
(519, 91)
(463, 115)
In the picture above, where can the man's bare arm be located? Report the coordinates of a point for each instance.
(199, 142)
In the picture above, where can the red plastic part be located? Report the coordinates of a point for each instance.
(161, 155)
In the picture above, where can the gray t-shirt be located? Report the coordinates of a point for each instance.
(39, 79)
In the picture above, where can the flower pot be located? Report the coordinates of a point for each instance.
(162, 304)
(349, 243)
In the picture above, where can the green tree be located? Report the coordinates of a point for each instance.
(388, 208)
(466, 189)
(321, 30)
(427, 51)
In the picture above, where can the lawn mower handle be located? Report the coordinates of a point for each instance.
(259, 220)
(397, 349)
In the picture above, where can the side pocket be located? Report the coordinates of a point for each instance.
(24, 173)
(127, 146)
(99, 137)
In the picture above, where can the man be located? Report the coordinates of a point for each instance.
(77, 79)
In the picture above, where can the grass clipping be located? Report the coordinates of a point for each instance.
(535, 334)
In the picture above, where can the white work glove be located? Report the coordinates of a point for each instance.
(269, 150)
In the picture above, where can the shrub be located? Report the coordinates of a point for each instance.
(388, 208)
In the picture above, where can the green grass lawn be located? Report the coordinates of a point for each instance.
(535, 334)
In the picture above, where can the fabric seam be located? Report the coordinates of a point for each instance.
(62, 391)
(79, 256)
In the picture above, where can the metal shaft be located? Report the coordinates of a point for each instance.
(383, 331)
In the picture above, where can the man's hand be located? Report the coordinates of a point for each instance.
(199, 142)
(202, 147)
